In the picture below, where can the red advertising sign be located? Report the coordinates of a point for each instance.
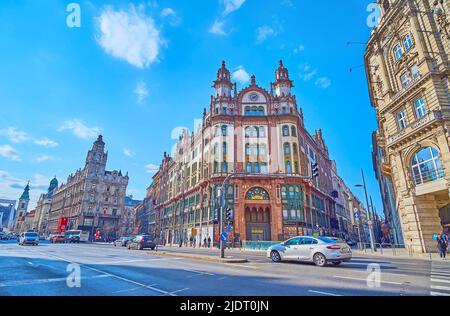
(62, 225)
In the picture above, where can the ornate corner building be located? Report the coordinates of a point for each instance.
(92, 198)
(254, 144)
(407, 67)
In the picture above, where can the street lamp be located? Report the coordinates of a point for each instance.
(372, 243)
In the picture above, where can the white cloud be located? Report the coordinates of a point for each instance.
(263, 33)
(129, 35)
(14, 135)
(46, 142)
(299, 49)
(217, 28)
(241, 75)
(232, 5)
(127, 152)
(173, 17)
(323, 82)
(141, 91)
(306, 73)
(152, 168)
(9, 152)
(79, 129)
(12, 187)
(43, 158)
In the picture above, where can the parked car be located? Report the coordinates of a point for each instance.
(319, 250)
(59, 238)
(29, 238)
(141, 242)
(122, 241)
(3, 236)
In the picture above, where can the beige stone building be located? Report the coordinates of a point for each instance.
(407, 68)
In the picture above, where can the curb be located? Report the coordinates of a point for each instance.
(196, 257)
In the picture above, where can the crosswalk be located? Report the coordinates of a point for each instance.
(440, 279)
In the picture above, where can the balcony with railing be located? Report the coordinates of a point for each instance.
(427, 119)
(430, 181)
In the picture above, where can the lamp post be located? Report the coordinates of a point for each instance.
(372, 243)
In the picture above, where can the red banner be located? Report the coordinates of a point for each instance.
(62, 225)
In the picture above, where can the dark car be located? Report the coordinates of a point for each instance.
(122, 241)
(141, 242)
(351, 243)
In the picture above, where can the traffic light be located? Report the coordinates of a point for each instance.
(229, 215)
(216, 216)
(315, 170)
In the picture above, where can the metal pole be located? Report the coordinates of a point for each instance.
(222, 248)
(372, 243)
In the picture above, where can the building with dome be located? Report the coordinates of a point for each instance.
(277, 177)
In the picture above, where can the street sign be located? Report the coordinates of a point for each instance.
(194, 232)
(356, 214)
(229, 229)
(224, 236)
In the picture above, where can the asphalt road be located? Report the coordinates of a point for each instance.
(109, 271)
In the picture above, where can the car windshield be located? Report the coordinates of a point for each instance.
(328, 240)
(31, 234)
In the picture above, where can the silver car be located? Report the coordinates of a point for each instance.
(319, 250)
(29, 238)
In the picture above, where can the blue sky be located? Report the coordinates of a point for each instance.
(136, 70)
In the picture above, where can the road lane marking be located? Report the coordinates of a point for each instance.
(324, 293)
(365, 280)
(442, 288)
(440, 280)
(117, 277)
(43, 281)
(130, 281)
(178, 291)
(439, 294)
(130, 290)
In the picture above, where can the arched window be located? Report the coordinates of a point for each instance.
(255, 132)
(285, 130)
(262, 131)
(295, 148)
(247, 131)
(288, 167)
(398, 51)
(261, 111)
(224, 167)
(247, 149)
(257, 194)
(247, 111)
(407, 42)
(426, 165)
(293, 131)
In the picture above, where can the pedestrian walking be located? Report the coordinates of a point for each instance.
(205, 242)
(442, 247)
(209, 242)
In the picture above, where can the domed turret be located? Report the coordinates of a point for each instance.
(282, 83)
(223, 84)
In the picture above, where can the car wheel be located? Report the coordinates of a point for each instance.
(275, 256)
(140, 247)
(336, 263)
(320, 260)
(153, 248)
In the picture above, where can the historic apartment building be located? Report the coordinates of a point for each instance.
(277, 177)
(407, 68)
(43, 207)
(92, 198)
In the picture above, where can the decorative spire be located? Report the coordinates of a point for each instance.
(253, 82)
(26, 192)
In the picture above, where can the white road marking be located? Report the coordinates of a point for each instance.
(440, 280)
(439, 294)
(324, 293)
(119, 277)
(365, 280)
(442, 288)
(130, 290)
(43, 281)
(177, 291)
